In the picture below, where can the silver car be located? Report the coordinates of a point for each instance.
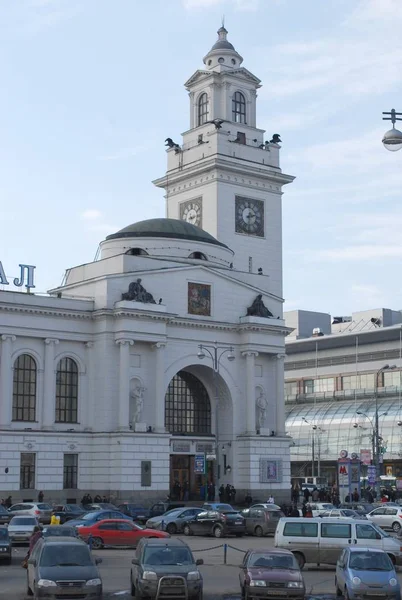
(387, 517)
(174, 520)
(342, 513)
(21, 528)
(39, 510)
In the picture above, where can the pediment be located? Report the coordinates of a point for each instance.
(197, 76)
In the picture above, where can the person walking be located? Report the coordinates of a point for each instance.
(41, 495)
(294, 511)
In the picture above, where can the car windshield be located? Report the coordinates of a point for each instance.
(90, 516)
(225, 508)
(370, 561)
(272, 561)
(167, 556)
(65, 556)
(60, 531)
(3, 534)
(327, 506)
(74, 508)
(379, 530)
(44, 507)
(173, 511)
(23, 521)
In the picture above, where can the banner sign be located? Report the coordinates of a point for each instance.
(365, 457)
(199, 464)
(371, 474)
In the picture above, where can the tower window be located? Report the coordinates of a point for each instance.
(198, 256)
(203, 109)
(137, 252)
(238, 108)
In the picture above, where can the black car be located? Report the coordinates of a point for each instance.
(5, 516)
(213, 522)
(66, 512)
(5, 545)
(160, 508)
(136, 511)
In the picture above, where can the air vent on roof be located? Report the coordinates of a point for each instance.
(317, 332)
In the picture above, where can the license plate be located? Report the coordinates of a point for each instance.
(140, 516)
(238, 522)
(276, 593)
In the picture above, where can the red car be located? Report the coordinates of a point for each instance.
(117, 532)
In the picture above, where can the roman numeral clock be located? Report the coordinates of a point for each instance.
(249, 216)
(191, 212)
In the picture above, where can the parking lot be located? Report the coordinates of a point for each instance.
(219, 579)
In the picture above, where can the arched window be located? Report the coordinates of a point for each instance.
(24, 388)
(137, 252)
(67, 391)
(238, 108)
(198, 256)
(187, 406)
(203, 109)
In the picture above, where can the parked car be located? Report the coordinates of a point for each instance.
(387, 517)
(165, 568)
(21, 528)
(59, 530)
(321, 540)
(99, 506)
(136, 511)
(117, 532)
(174, 520)
(217, 523)
(265, 505)
(63, 568)
(221, 506)
(160, 508)
(90, 518)
(363, 508)
(40, 510)
(5, 545)
(5, 515)
(342, 513)
(366, 573)
(261, 521)
(266, 573)
(67, 512)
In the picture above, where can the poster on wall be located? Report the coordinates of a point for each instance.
(365, 457)
(270, 470)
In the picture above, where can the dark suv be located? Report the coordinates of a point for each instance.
(165, 569)
(219, 524)
(5, 516)
(67, 512)
(160, 508)
(136, 511)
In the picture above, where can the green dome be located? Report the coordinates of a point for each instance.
(165, 228)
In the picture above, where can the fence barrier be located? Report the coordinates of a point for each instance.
(225, 550)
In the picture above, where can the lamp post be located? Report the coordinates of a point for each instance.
(392, 139)
(314, 429)
(216, 353)
(376, 428)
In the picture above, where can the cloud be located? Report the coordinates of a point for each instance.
(239, 5)
(125, 153)
(30, 17)
(91, 214)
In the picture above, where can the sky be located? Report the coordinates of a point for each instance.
(91, 89)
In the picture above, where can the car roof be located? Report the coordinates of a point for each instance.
(270, 551)
(63, 540)
(323, 520)
(164, 542)
(114, 521)
(365, 549)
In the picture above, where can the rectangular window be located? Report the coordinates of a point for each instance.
(301, 530)
(336, 530)
(363, 381)
(27, 471)
(70, 471)
(325, 384)
(291, 388)
(366, 532)
(392, 379)
(241, 137)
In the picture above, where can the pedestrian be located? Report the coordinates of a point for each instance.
(271, 500)
(309, 512)
(347, 498)
(355, 495)
(294, 511)
(8, 502)
(97, 498)
(232, 494)
(185, 491)
(295, 493)
(227, 492)
(304, 508)
(306, 494)
(248, 499)
(104, 499)
(221, 493)
(40, 496)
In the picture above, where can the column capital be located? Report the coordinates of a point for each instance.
(89, 345)
(159, 345)
(8, 336)
(124, 341)
(280, 356)
(50, 341)
(249, 353)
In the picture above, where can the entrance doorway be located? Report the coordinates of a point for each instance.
(183, 478)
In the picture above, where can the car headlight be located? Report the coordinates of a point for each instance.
(149, 576)
(46, 583)
(356, 581)
(95, 581)
(193, 575)
(257, 583)
(393, 582)
(295, 584)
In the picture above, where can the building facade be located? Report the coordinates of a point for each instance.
(335, 370)
(160, 365)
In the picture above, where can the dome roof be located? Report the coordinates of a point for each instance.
(165, 228)
(222, 45)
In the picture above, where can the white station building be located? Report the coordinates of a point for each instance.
(103, 385)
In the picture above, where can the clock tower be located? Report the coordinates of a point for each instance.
(225, 176)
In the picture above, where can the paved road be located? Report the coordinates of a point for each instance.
(219, 579)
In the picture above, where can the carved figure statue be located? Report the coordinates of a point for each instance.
(258, 309)
(261, 404)
(137, 293)
(137, 402)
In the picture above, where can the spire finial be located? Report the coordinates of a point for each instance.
(223, 21)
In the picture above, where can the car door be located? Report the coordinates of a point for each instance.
(128, 534)
(335, 537)
(198, 525)
(185, 516)
(243, 570)
(251, 520)
(391, 515)
(367, 536)
(377, 516)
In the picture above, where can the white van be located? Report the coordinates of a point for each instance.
(321, 540)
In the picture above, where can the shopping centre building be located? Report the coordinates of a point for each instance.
(335, 369)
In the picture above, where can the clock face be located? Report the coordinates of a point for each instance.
(191, 211)
(249, 216)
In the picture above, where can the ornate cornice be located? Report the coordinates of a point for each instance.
(48, 312)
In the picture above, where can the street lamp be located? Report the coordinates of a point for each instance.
(392, 139)
(376, 428)
(216, 352)
(314, 429)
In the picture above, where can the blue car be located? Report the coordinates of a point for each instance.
(97, 515)
(365, 573)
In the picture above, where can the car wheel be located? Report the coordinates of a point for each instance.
(239, 535)
(396, 527)
(171, 528)
(187, 530)
(338, 592)
(301, 561)
(8, 561)
(199, 596)
(258, 531)
(218, 532)
(97, 543)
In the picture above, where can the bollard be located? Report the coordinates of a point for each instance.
(225, 552)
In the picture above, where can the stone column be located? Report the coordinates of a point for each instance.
(159, 423)
(85, 393)
(250, 392)
(124, 383)
(49, 386)
(6, 379)
(280, 395)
